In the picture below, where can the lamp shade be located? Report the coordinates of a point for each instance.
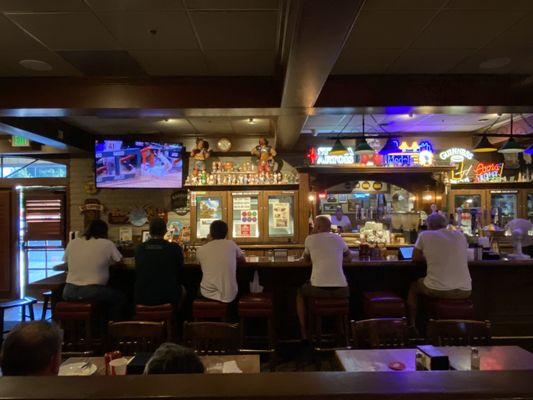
(391, 146)
(484, 146)
(364, 148)
(338, 149)
(511, 146)
(529, 150)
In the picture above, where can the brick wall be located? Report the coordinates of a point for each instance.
(81, 171)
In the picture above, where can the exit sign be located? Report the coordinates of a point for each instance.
(19, 141)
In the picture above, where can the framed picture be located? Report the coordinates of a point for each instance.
(145, 235)
(329, 208)
(342, 197)
(125, 234)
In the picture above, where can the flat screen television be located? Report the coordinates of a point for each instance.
(127, 164)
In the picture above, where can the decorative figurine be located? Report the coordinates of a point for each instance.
(200, 154)
(265, 155)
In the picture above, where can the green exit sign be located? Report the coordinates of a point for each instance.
(19, 141)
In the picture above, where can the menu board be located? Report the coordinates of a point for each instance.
(245, 216)
(208, 209)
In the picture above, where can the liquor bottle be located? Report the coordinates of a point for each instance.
(475, 360)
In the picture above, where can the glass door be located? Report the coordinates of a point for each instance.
(280, 225)
(526, 204)
(504, 206)
(206, 207)
(246, 216)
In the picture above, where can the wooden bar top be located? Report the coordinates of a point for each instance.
(298, 385)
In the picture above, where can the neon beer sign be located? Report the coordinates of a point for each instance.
(488, 172)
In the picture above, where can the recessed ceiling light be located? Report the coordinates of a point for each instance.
(494, 63)
(35, 65)
(251, 121)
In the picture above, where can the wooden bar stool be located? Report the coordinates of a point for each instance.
(336, 308)
(209, 310)
(383, 304)
(254, 306)
(449, 308)
(47, 304)
(160, 313)
(25, 304)
(77, 321)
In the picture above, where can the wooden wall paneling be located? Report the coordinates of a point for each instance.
(8, 265)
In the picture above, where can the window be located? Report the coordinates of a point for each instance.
(24, 167)
(43, 255)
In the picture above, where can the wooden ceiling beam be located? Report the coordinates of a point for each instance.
(321, 27)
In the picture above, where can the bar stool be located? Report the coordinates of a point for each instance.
(77, 321)
(160, 313)
(336, 308)
(47, 304)
(438, 308)
(254, 306)
(209, 310)
(383, 304)
(25, 304)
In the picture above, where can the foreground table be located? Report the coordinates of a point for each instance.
(493, 358)
(248, 364)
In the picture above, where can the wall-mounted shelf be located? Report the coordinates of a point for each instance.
(280, 186)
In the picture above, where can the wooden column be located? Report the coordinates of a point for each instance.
(304, 206)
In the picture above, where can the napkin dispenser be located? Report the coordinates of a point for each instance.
(432, 359)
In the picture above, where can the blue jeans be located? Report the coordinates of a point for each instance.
(112, 298)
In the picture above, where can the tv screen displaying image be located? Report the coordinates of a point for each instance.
(138, 164)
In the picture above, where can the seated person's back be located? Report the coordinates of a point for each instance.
(446, 257)
(158, 266)
(218, 259)
(171, 358)
(32, 348)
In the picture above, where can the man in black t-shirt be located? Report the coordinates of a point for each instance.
(158, 266)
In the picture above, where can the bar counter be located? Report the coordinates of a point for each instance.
(502, 290)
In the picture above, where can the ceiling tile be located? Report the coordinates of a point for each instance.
(327, 121)
(12, 37)
(491, 4)
(465, 29)
(42, 5)
(427, 61)
(136, 5)
(236, 30)
(211, 125)
(403, 4)
(246, 63)
(66, 31)
(520, 61)
(520, 35)
(10, 61)
(132, 30)
(103, 63)
(386, 29)
(243, 125)
(371, 61)
(171, 63)
(232, 4)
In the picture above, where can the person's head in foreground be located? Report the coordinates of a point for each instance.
(32, 348)
(436, 222)
(218, 230)
(171, 358)
(322, 224)
(158, 228)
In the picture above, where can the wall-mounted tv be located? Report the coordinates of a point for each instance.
(138, 164)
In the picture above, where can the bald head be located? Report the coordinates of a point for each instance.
(322, 224)
(436, 221)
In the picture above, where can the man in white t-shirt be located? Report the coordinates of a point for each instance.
(218, 259)
(88, 259)
(446, 257)
(326, 251)
(340, 220)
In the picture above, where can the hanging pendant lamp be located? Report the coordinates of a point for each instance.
(484, 146)
(338, 149)
(391, 146)
(511, 146)
(364, 147)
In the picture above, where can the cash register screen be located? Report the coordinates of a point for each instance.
(406, 253)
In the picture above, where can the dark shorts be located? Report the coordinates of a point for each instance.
(308, 290)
